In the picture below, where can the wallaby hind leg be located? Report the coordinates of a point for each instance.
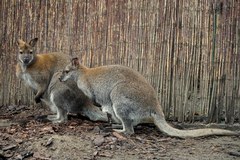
(110, 113)
(127, 126)
(55, 116)
(93, 113)
(61, 116)
(123, 115)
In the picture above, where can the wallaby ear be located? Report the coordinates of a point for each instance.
(75, 62)
(33, 42)
(20, 42)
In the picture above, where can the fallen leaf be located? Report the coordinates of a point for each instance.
(19, 156)
(37, 155)
(164, 139)
(73, 124)
(119, 136)
(8, 154)
(48, 129)
(9, 147)
(49, 142)
(95, 153)
(72, 127)
(105, 155)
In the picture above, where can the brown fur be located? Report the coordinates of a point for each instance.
(38, 71)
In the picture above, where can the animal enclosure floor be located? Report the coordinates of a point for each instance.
(22, 136)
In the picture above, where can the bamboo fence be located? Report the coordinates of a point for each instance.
(188, 50)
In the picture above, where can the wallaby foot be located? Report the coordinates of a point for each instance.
(124, 131)
(127, 126)
(122, 113)
(52, 117)
(109, 127)
(117, 126)
(60, 117)
(59, 121)
(109, 116)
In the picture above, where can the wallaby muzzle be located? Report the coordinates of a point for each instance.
(61, 77)
(26, 61)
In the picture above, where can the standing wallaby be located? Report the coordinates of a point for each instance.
(37, 70)
(128, 97)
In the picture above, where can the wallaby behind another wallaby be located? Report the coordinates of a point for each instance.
(37, 70)
(67, 98)
(128, 97)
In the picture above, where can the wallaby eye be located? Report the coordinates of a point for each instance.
(66, 71)
(31, 52)
(21, 52)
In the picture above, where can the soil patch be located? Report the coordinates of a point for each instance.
(23, 135)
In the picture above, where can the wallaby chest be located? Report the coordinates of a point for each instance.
(29, 80)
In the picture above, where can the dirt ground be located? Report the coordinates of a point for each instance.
(23, 135)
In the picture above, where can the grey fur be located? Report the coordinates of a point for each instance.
(66, 98)
(128, 97)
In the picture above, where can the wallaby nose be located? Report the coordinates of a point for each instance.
(26, 60)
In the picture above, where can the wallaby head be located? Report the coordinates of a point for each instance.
(70, 69)
(26, 53)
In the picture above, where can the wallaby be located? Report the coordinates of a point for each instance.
(37, 70)
(128, 97)
(67, 98)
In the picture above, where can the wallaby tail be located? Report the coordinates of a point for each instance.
(163, 126)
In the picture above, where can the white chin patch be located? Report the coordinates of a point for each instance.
(65, 78)
(21, 61)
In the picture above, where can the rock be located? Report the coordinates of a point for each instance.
(12, 108)
(19, 141)
(22, 107)
(96, 129)
(27, 154)
(99, 140)
(5, 123)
